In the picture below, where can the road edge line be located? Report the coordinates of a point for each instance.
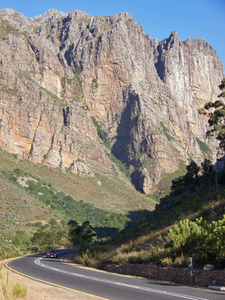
(50, 283)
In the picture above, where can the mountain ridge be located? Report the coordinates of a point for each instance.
(71, 67)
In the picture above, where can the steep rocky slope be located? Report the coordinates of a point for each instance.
(60, 70)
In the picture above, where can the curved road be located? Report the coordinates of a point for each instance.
(102, 284)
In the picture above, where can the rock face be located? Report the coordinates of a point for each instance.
(60, 70)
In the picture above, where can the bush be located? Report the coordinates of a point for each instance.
(101, 134)
(181, 261)
(166, 261)
(204, 240)
(21, 240)
(19, 290)
(9, 289)
(9, 250)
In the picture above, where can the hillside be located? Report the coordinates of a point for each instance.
(32, 195)
(189, 222)
(77, 89)
(104, 191)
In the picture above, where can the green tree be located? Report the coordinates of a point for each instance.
(207, 170)
(49, 236)
(21, 239)
(192, 173)
(72, 234)
(215, 112)
(81, 233)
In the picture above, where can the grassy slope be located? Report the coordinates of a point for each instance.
(111, 195)
(17, 207)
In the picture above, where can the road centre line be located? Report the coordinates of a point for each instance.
(151, 290)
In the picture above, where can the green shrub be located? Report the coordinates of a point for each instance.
(120, 165)
(21, 240)
(19, 290)
(206, 151)
(9, 250)
(102, 134)
(204, 240)
(18, 172)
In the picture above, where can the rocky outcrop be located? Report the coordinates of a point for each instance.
(60, 70)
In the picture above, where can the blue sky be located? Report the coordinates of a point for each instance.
(190, 18)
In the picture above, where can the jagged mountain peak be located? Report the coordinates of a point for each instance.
(174, 36)
(6, 11)
(51, 13)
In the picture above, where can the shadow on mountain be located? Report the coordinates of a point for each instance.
(137, 215)
(106, 231)
(133, 216)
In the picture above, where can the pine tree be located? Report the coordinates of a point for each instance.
(215, 112)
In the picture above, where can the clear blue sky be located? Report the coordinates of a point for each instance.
(190, 18)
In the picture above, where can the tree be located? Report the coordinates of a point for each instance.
(207, 171)
(49, 236)
(21, 239)
(192, 171)
(206, 166)
(72, 234)
(215, 112)
(192, 174)
(81, 233)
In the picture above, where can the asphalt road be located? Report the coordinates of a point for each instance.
(103, 284)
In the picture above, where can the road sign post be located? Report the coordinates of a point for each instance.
(190, 266)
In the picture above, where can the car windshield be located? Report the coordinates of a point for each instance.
(52, 251)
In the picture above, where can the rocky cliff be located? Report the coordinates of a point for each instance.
(60, 70)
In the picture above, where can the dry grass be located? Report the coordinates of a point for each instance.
(132, 256)
(9, 289)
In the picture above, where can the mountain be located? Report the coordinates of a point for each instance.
(68, 79)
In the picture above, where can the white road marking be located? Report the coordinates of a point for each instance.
(38, 262)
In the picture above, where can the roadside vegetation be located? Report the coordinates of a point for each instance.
(10, 290)
(52, 235)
